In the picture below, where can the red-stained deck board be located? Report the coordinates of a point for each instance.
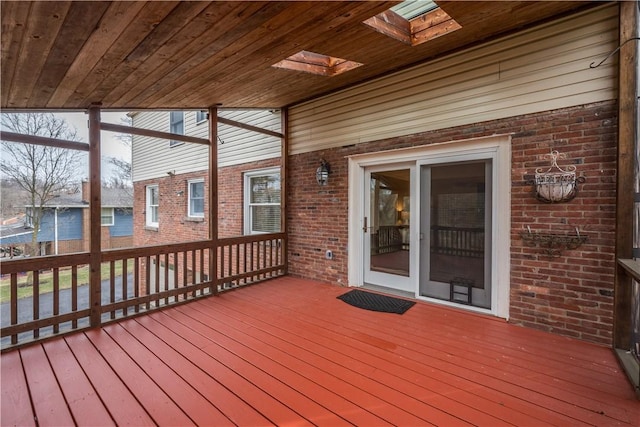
(324, 397)
(287, 352)
(403, 376)
(199, 409)
(43, 387)
(16, 402)
(118, 400)
(154, 399)
(579, 403)
(231, 405)
(272, 409)
(220, 349)
(83, 402)
(330, 380)
(327, 360)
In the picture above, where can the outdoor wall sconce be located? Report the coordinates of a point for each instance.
(322, 173)
(552, 244)
(556, 184)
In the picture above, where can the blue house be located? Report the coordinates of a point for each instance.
(65, 224)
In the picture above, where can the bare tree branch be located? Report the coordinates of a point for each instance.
(41, 171)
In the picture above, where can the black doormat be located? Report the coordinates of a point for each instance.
(376, 302)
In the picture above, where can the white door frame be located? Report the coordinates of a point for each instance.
(393, 281)
(500, 145)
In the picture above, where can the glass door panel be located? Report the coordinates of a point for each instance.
(456, 214)
(388, 219)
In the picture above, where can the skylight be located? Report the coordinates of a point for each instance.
(410, 9)
(414, 22)
(316, 63)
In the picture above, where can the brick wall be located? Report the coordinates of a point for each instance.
(174, 224)
(570, 294)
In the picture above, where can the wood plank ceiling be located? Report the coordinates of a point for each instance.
(166, 55)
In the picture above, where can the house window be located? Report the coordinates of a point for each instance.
(176, 125)
(106, 216)
(201, 116)
(262, 201)
(153, 202)
(196, 198)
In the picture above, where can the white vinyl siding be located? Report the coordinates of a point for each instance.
(543, 68)
(153, 158)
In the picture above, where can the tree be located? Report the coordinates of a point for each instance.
(41, 171)
(121, 172)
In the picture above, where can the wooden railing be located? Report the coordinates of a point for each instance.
(50, 295)
(388, 238)
(458, 241)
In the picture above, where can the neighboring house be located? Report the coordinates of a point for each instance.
(64, 226)
(171, 179)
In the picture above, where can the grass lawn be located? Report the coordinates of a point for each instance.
(46, 280)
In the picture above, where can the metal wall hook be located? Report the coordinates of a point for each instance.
(594, 65)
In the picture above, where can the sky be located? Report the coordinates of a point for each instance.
(111, 145)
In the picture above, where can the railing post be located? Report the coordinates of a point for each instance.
(95, 279)
(627, 134)
(284, 153)
(213, 198)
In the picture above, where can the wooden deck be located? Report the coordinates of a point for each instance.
(287, 352)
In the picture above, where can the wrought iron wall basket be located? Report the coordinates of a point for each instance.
(555, 184)
(552, 244)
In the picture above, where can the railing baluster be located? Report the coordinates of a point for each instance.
(56, 297)
(14, 304)
(166, 277)
(125, 293)
(74, 294)
(201, 270)
(112, 285)
(156, 288)
(185, 271)
(147, 287)
(36, 300)
(236, 253)
(230, 263)
(136, 281)
(176, 283)
(245, 261)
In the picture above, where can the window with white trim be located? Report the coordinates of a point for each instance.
(106, 216)
(201, 116)
(152, 205)
(176, 125)
(196, 198)
(262, 201)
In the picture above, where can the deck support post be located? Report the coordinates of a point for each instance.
(213, 198)
(95, 204)
(284, 128)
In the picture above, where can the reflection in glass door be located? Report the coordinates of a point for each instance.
(387, 228)
(456, 214)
